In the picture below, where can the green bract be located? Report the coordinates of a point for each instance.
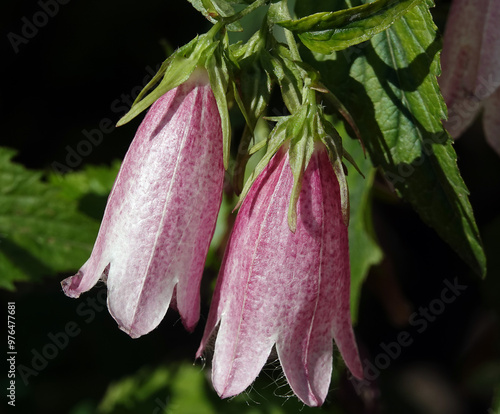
(174, 71)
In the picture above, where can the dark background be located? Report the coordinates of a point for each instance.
(76, 73)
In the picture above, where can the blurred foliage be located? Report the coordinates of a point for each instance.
(41, 232)
(185, 389)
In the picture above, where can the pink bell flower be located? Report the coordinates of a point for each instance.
(161, 213)
(284, 289)
(470, 61)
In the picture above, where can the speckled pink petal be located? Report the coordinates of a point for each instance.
(246, 294)
(470, 60)
(280, 287)
(320, 301)
(161, 213)
(491, 120)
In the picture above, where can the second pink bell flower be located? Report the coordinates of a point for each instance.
(284, 289)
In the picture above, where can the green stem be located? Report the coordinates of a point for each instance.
(214, 29)
(255, 5)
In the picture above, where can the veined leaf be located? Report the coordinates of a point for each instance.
(41, 232)
(330, 31)
(389, 86)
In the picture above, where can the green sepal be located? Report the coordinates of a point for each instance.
(218, 72)
(275, 140)
(301, 135)
(333, 143)
(252, 94)
(288, 75)
(327, 32)
(257, 147)
(341, 109)
(175, 71)
(253, 90)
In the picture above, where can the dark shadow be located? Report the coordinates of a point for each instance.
(93, 205)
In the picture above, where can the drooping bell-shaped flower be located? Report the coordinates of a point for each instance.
(161, 213)
(470, 62)
(284, 289)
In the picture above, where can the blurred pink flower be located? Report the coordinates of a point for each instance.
(161, 213)
(470, 62)
(286, 289)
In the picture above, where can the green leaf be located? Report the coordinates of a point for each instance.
(364, 251)
(89, 187)
(41, 231)
(330, 31)
(389, 86)
(94, 179)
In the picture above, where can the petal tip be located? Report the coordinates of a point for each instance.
(71, 286)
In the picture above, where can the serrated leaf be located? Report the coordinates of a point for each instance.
(389, 86)
(41, 232)
(330, 31)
